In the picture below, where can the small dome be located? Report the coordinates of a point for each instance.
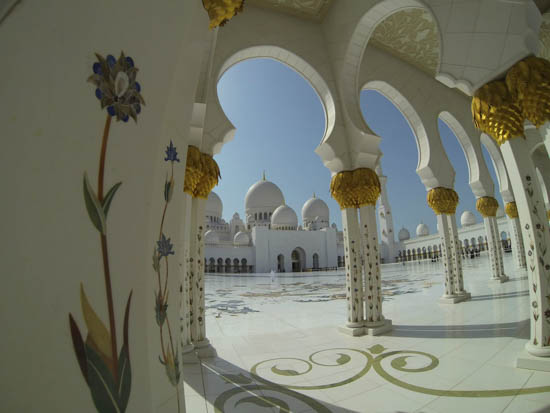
(214, 206)
(241, 238)
(284, 216)
(467, 218)
(315, 208)
(263, 194)
(422, 230)
(211, 237)
(404, 234)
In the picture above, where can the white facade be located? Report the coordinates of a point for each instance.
(472, 237)
(271, 238)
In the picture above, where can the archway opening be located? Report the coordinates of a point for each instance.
(298, 257)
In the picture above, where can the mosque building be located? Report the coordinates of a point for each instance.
(271, 238)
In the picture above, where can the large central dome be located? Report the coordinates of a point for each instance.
(263, 195)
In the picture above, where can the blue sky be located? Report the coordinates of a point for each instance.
(279, 122)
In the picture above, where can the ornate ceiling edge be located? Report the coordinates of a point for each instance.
(317, 17)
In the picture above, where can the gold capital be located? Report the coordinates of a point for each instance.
(193, 170)
(354, 189)
(221, 11)
(496, 113)
(511, 210)
(487, 206)
(529, 84)
(443, 200)
(201, 173)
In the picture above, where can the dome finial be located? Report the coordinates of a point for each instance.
(263, 176)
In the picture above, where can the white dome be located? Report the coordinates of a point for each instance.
(211, 237)
(467, 218)
(315, 207)
(263, 194)
(284, 216)
(404, 234)
(241, 238)
(422, 230)
(214, 206)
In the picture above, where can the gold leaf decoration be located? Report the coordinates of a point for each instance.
(209, 177)
(354, 189)
(193, 170)
(511, 210)
(529, 84)
(496, 113)
(443, 200)
(221, 11)
(487, 206)
(98, 335)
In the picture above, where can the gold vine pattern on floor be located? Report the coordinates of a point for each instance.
(253, 389)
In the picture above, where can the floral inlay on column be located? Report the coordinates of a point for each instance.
(107, 371)
(162, 251)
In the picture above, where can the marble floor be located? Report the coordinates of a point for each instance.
(279, 349)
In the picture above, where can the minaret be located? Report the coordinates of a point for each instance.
(387, 238)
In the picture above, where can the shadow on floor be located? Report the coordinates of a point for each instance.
(500, 296)
(519, 329)
(230, 389)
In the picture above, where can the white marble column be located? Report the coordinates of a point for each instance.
(517, 243)
(499, 253)
(545, 134)
(447, 258)
(516, 237)
(196, 281)
(375, 323)
(354, 279)
(536, 238)
(187, 347)
(456, 254)
(495, 250)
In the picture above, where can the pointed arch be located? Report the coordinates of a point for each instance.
(356, 49)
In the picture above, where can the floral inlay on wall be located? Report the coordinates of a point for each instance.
(106, 369)
(161, 253)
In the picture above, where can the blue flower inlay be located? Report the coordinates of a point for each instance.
(111, 61)
(164, 246)
(171, 153)
(129, 61)
(111, 110)
(97, 68)
(137, 86)
(98, 93)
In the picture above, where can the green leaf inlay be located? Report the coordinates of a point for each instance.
(343, 359)
(281, 372)
(377, 349)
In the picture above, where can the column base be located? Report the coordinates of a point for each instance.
(352, 331)
(376, 330)
(502, 279)
(205, 350)
(188, 355)
(530, 361)
(369, 329)
(455, 298)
